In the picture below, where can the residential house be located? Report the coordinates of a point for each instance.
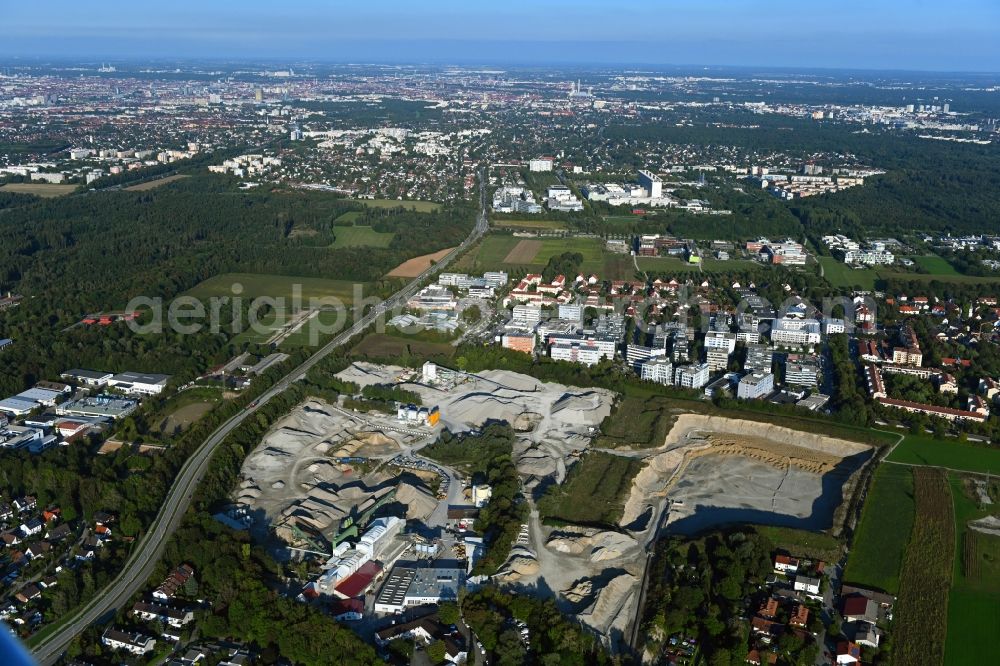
(134, 643)
(28, 593)
(800, 616)
(31, 527)
(58, 533)
(858, 607)
(785, 564)
(848, 653)
(159, 613)
(807, 584)
(175, 581)
(26, 503)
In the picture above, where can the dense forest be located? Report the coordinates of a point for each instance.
(94, 252)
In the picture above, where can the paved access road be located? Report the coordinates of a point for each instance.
(149, 549)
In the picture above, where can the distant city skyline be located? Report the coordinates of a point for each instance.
(894, 34)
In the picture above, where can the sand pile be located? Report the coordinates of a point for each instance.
(611, 546)
(598, 546)
(775, 453)
(520, 563)
(577, 407)
(691, 424)
(418, 500)
(526, 421)
(581, 592)
(612, 606)
(367, 374)
(367, 444)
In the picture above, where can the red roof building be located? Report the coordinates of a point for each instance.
(358, 583)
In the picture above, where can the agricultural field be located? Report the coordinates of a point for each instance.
(884, 531)
(920, 616)
(502, 252)
(44, 190)
(951, 453)
(381, 346)
(255, 285)
(842, 276)
(974, 600)
(524, 252)
(152, 184)
(636, 423)
(411, 268)
(531, 225)
(360, 237)
(935, 265)
(419, 206)
(593, 493)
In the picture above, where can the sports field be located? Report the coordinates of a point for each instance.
(360, 237)
(951, 453)
(884, 531)
(252, 285)
(419, 206)
(840, 275)
(44, 190)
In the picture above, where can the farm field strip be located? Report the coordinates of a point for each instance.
(152, 184)
(884, 530)
(524, 252)
(920, 617)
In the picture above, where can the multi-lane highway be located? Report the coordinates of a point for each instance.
(149, 549)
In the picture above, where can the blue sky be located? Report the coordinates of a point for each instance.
(961, 35)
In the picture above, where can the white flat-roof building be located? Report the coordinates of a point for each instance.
(139, 383)
(691, 376)
(756, 385)
(659, 370)
(651, 183)
(87, 377)
(795, 332)
(540, 164)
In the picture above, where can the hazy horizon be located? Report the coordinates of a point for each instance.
(897, 35)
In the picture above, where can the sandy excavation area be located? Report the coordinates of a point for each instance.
(293, 473)
(552, 420)
(717, 470)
